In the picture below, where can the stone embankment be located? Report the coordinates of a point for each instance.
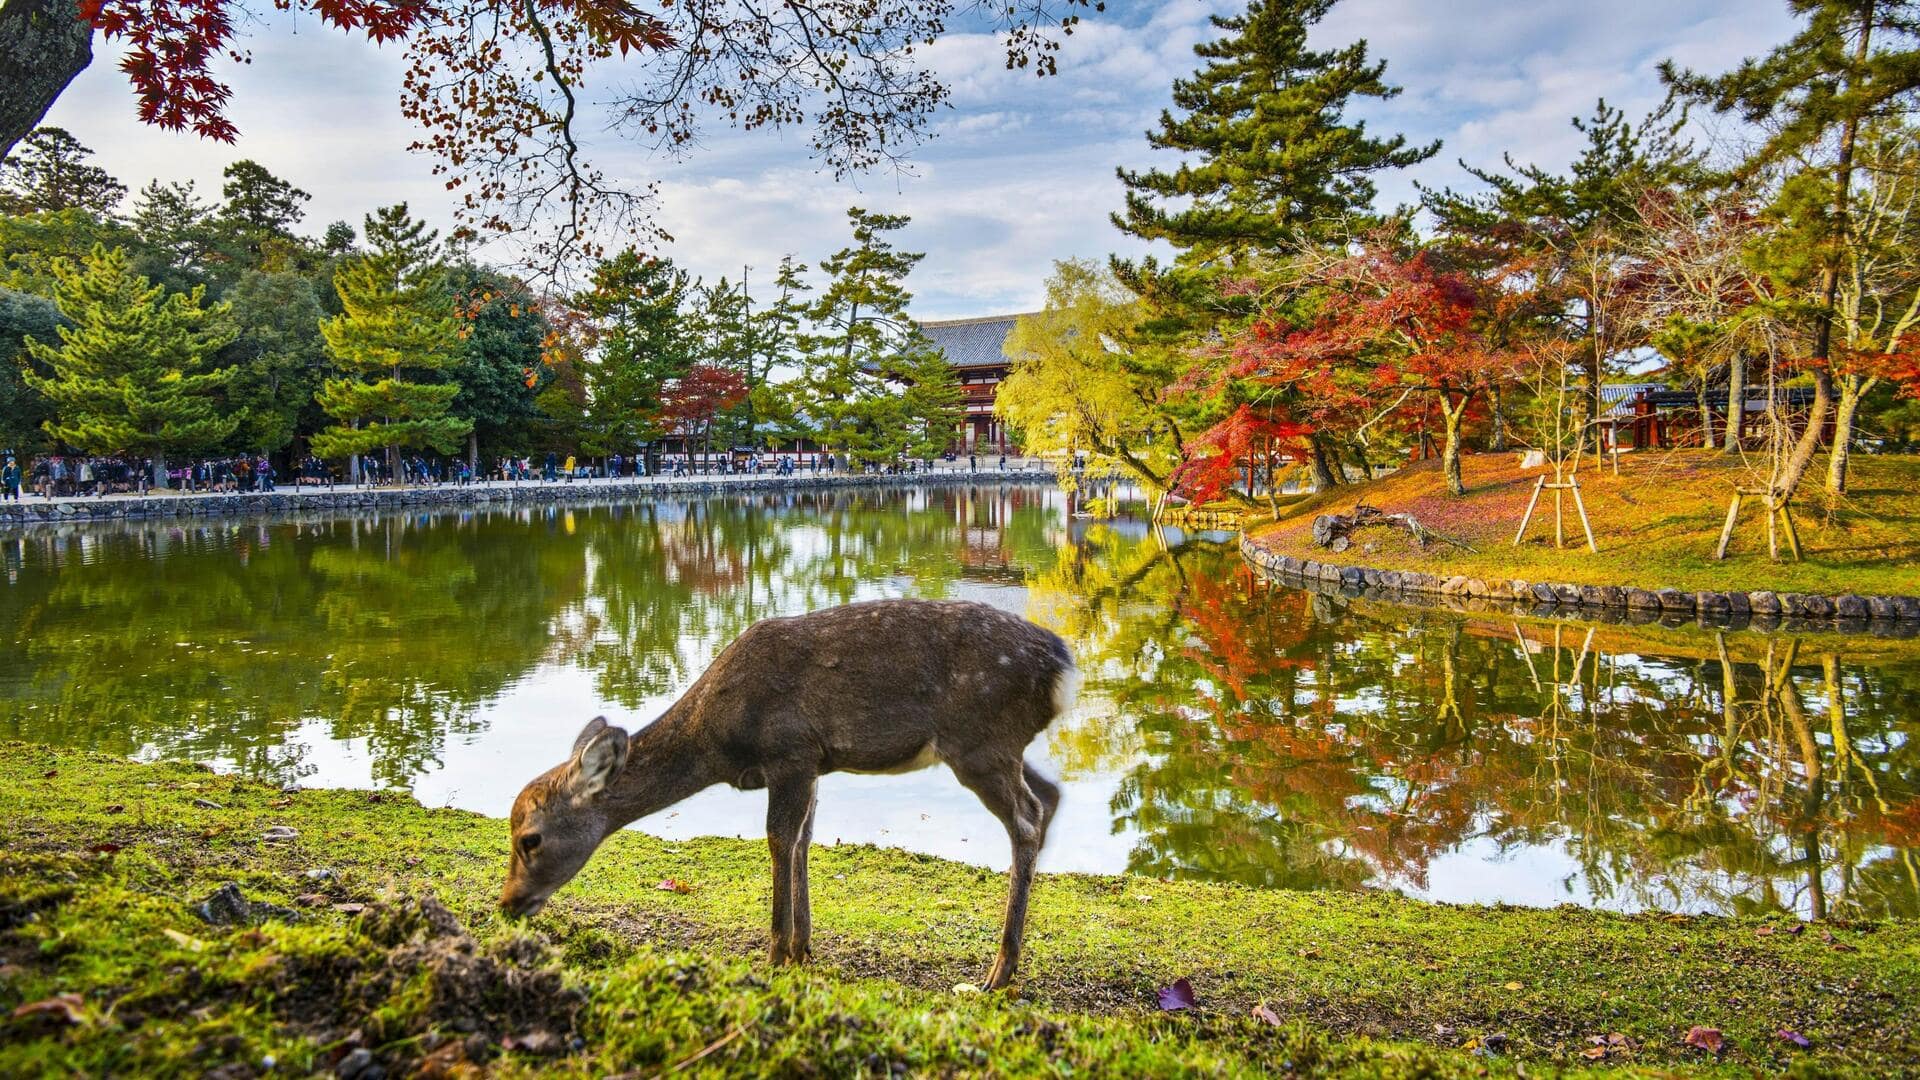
(33, 509)
(1763, 610)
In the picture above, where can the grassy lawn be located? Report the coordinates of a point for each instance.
(1656, 525)
(102, 863)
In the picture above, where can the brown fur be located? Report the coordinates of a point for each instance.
(880, 686)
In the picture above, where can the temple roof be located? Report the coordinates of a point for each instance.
(971, 343)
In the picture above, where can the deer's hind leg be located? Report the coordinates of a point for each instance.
(789, 815)
(1003, 785)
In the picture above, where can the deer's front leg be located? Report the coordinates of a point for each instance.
(789, 802)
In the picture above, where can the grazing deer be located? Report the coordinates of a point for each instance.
(880, 687)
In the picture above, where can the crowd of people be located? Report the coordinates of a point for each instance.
(69, 475)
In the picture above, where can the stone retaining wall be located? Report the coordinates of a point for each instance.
(32, 510)
(1890, 615)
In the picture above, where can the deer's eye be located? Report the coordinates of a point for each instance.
(529, 843)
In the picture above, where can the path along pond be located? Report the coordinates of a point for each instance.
(1231, 729)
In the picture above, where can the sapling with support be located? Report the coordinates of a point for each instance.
(884, 686)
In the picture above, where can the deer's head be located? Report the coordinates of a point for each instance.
(560, 818)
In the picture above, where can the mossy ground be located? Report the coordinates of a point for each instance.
(104, 860)
(1656, 525)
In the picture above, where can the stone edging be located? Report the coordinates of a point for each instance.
(1894, 615)
(31, 511)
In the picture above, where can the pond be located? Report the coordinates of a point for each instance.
(1230, 729)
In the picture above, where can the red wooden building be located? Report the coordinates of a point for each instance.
(976, 350)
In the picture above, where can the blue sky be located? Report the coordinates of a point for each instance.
(1022, 170)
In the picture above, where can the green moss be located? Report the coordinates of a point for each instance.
(1365, 984)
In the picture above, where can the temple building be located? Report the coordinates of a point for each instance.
(976, 350)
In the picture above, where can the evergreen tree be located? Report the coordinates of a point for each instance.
(253, 229)
(129, 375)
(774, 339)
(862, 326)
(1565, 231)
(173, 225)
(23, 317)
(724, 331)
(1278, 161)
(635, 303)
(279, 358)
(1852, 62)
(49, 172)
(398, 317)
(499, 372)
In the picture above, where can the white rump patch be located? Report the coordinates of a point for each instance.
(1066, 690)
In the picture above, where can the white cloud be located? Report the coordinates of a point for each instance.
(1022, 170)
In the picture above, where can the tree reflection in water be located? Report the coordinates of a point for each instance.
(1244, 732)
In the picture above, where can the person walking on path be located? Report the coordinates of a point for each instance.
(10, 480)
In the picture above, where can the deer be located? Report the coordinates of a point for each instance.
(882, 686)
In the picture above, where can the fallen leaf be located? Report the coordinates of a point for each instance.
(68, 1008)
(312, 899)
(1706, 1038)
(1176, 997)
(1309, 954)
(1764, 931)
(1516, 986)
(674, 885)
(1594, 1053)
(350, 909)
(185, 941)
(107, 847)
(116, 808)
(1266, 1015)
(48, 775)
(1788, 1035)
(965, 988)
(1618, 1039)
(208, 804)
(1797, 929)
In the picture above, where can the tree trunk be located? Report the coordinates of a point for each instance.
(1852, 389)
(1497, 441)
(159, 470)
(1736, 401)
(43, 45)
(1455, 417)
(1706, 415)
(1323, 477)
(1788, 478)
(473, 451)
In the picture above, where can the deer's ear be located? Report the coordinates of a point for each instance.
(597, 763)
(594, 727)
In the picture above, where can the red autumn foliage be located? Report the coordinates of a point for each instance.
(1385, 339)
(691, 402)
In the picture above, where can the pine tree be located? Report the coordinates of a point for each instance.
(863, 315)
(1853, 61)
(49, 172)
(398, 316)
(774, 342)
(635, 303)
(129, 375)
(1278, 161)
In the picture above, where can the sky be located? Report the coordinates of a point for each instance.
(1020, 171)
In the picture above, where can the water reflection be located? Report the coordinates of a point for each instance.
(1232, 730)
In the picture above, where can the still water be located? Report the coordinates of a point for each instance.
(1229, 730)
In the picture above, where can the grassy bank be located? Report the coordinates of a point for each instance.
(1656, 525)
(102, 864)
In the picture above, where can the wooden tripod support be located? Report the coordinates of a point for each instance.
(1571, 483)
(1779, 519)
